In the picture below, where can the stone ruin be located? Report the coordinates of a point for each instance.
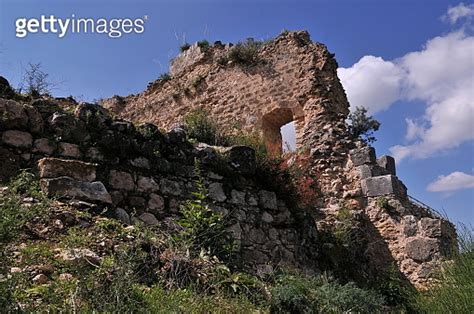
(143, 174)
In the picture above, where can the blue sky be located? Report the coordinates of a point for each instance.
(410, 62)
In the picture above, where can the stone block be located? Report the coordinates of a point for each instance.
(388, 163)
(149, 219)
(43, 145)
(35, 121)
(140, 162)
(69, 150)
(170, 187)
(121, 180)
(237, 197)
(421, 249)
(156, 203)
(18, 139)
(147, 184)
(362, 156)
(216, 192)
(54, 167)
(367, 171)
(383, 185)
(268, 200)
(70, 188)
(430, 227)
(409, 225)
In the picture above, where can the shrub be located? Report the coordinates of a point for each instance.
(295, 293)
(204, 229)
(159, 300)
(204, 45)
(246, 52)
(200, 127)
(363, 126)
(35, 80)
(382, 203)
(197, 81)
(397, 291)
(336, 298)
(165, 77)
(184, 47)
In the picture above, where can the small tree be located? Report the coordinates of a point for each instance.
(35, 80)
(363, 126)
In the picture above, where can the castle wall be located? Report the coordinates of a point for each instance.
(138, 174)
(294, 80)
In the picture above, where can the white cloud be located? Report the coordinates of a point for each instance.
(372, 82)
(452, 182)
(458, 12)
(414, 130)
(441, 75)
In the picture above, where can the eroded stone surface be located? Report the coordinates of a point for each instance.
(121, 180)
(421, 249)
(18, 139)
(70, 188)
(54, 167)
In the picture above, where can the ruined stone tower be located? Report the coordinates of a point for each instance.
(296, 80)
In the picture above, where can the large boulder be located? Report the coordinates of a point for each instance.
(66, 187)
(54, 167)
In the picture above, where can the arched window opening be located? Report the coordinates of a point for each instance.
(279, 131)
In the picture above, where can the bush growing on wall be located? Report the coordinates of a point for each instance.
(363, 126)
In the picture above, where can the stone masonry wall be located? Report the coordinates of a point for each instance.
(138, 173)
(418, 239)
(294, 80)
(146, 175)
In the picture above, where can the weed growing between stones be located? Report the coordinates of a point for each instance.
(204, 229)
